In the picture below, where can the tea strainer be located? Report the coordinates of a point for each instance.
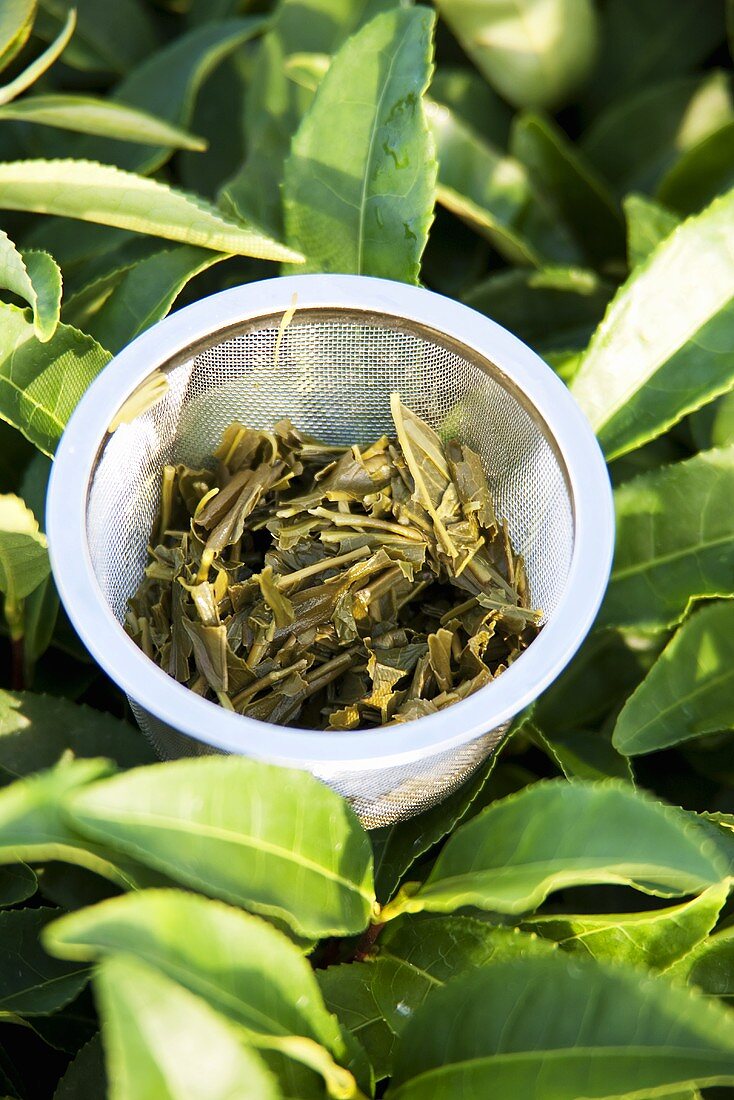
(352, 341)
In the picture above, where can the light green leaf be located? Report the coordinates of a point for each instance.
(664, 347)
(163, 1043)
(101, 193)
(88, 115)
(32, 983)
(270, 839)
(551, 309)
(645, 41)
(648, 223)
(165, 84)
(473, 101)
(34, 276)
(17, 883)
(564, 1028)
(579, 197)
(535, 53)
(493, 194)
(108, 37)
(32, 827)
(689, 691)
(16, 22)
(24, 560)
(40, 384)
(43, 62)
(239, 964)
(359, 184)
(275, 104)
(145, 293)
(655, 940)
(675, 541)
(41, 608)
(637, 139)
(556, 834)
(711, 965)
(703, 172)
(37, 730)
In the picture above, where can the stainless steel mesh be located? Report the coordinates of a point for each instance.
(334, 375)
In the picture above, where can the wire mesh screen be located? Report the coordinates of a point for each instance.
(333, 376)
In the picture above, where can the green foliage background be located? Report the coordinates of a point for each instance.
(216, 928)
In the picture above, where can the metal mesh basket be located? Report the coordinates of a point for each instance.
(351, 342)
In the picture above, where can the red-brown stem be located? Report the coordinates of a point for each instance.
(367, 942)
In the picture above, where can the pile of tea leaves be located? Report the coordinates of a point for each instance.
(332, 587)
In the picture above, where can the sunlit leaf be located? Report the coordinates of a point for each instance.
(16, 21)
(664, 346)
(44, 61)
(359, 185)
(648, 223)
(34, 276)
(24, 560)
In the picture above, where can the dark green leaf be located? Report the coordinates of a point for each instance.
(703, 172)
(664, 346)
(558, 834)
(583, 754)
(655, 939)
(360, 182)
(163, 1043)
(552, 308)
(711, 965)
(565, 1028)
(637, 139)
(675, 541)
(32, 983)
(17, 883)
(689, 691)
(270, 839)
(534, 54)
(473, 101)
(37, 730)
(579, 197)
(85, 1076)
(109, 37)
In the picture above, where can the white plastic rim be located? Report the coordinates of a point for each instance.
(403, 743)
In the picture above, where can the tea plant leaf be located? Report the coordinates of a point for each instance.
(675, 541)
(34, 276)
(473, 101)
(637, 139)
(552, 308)
(17, 883)
(655, 939)
(32, 983)
(535, 54)
(273, 840)
(88, 115)
(275, 104)
(711, 965)
(580, 198)
(648, 223)
(16, 22)
(703, 172)
(239, 964)
(85, 1075)
(582, 754)
(663, 348)
(145, 293)
(43, 62)
(24, 560)
(162, 1042)
(37, 730)
(40, 384)
(556, 834)
(108, 37)
(584, 1029)
(165, 85)
(667, 43)
(101, 193)
(493, 194)
(32, 827)
(359, 185)
(689, 691)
